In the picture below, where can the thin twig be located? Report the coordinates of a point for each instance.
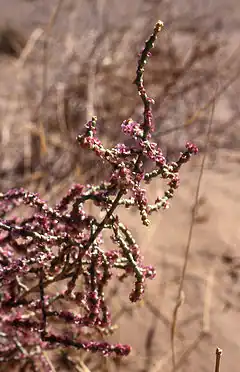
(42, 299)
(194, 344)
(189, 240)
(218, 358)
(47, 34)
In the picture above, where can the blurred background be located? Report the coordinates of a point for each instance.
(62, 61)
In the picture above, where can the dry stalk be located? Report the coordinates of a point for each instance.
(180, 295)
(47, 35)
(218, 358)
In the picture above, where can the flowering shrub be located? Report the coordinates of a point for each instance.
(64, 245)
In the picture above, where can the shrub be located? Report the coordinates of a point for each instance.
(64, 245)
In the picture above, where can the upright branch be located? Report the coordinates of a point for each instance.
(147, 101)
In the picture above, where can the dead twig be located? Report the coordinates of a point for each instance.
(180, 295)
(218, 358)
